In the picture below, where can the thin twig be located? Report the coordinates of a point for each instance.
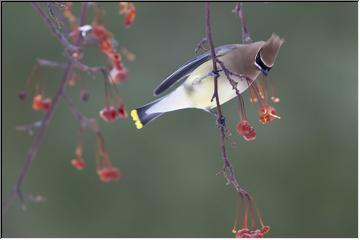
(228, 171)
(50, 64)
(29, 127)
(84, 121)
(77, 64)
(61, 37)
(40, 135)
(245, 34)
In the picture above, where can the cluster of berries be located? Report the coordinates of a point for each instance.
(247, 233)
(267, 113)
(40, 103)
(111, 113)
(118, 72)
(105, 170)
(114, 107)
(246, 130)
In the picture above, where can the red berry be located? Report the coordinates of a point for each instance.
(243, 233)
(122, 112)
(267, 114)
(246, 233)
(246, 130)
(109, 114)
(243, 127)
(79, 164)
(115, 58)
(46, 104)
(109, 174)
(265, 229)
(100, 32)
(251, 135)
(272, 111)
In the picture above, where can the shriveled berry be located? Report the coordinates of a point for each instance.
(84, 96)
(22, 95)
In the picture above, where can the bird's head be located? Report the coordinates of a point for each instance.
(267, 54)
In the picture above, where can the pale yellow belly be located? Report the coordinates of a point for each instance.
(201, 91)
(197, 91)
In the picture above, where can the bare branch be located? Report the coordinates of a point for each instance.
(77, 64)
(16, 192)
(245, 34)
(29, 128)
(60, 36)
(51, 64)
(84, 121)
(228, 171)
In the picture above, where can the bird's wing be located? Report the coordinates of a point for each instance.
(188, 67)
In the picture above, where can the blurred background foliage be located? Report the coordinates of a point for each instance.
(301, 170)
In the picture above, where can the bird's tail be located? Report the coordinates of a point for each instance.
(141, 117)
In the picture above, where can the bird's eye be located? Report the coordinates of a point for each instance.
(261, 65)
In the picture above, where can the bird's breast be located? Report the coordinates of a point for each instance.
(201, 94)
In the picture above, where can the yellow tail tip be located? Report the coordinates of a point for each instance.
(136, 119)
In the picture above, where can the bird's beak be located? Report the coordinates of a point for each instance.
(265, 71)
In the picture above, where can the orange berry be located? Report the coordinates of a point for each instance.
(130, 17)
(105, 46)
(37, 103)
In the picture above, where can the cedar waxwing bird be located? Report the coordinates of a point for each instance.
(198, 88)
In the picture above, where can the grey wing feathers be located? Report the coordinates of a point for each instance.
(190, 66)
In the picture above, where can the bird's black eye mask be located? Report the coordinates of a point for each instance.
(261, 65)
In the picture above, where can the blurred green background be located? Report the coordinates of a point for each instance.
(301, 170)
